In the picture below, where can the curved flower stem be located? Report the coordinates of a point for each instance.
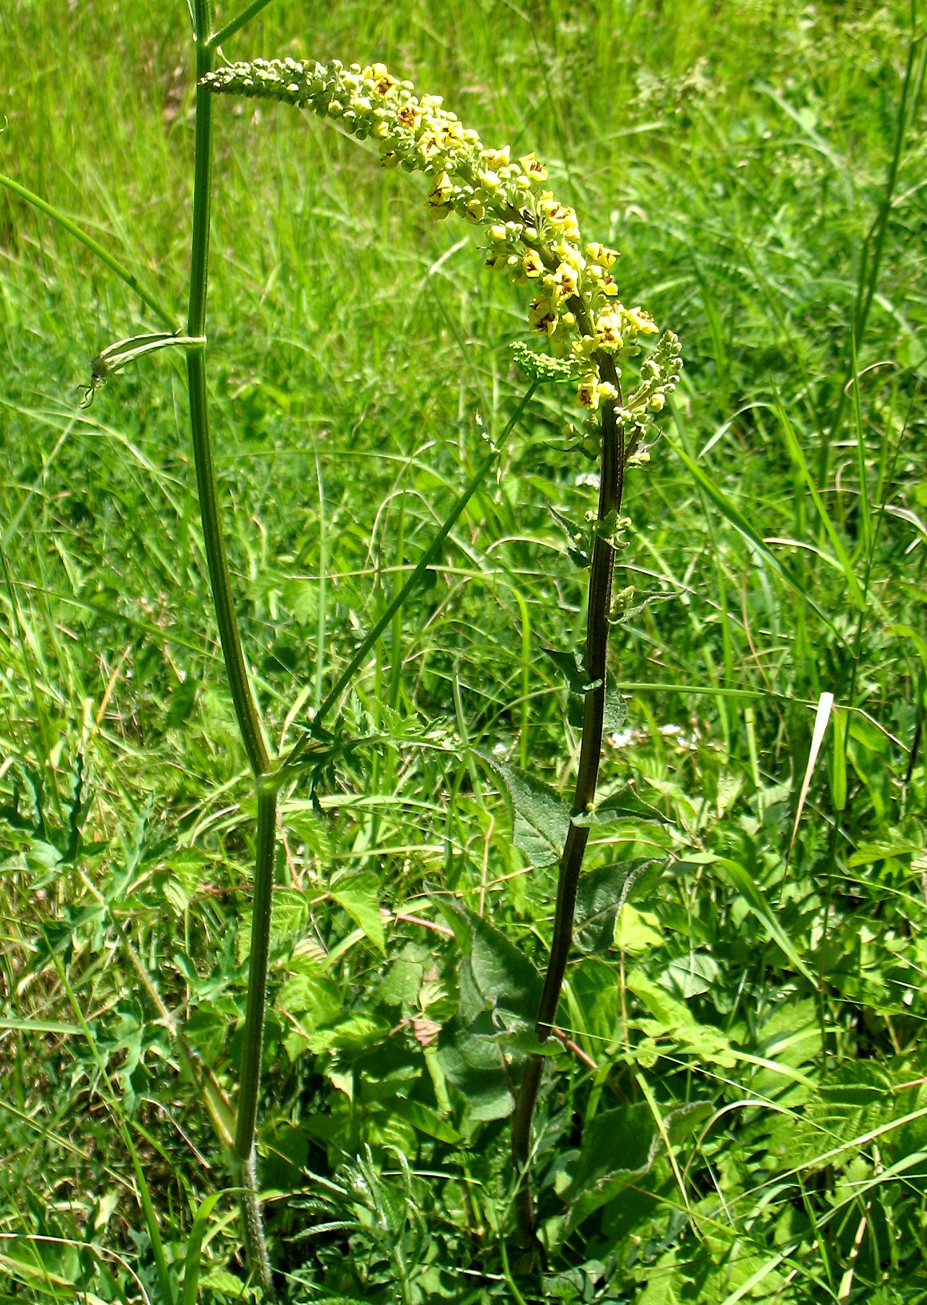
(597, 627)
(246, 708)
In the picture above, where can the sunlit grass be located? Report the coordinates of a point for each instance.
(358, 353)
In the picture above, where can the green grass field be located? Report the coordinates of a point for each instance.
(737, 1107)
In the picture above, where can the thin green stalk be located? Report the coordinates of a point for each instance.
(246, 712)
(597, 629)
(246, 708)
(250, 11)
(94, 246)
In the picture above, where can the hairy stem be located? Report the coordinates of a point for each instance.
(246, 708)
(597, 627)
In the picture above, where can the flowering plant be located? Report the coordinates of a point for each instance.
(530, 233)
(576, 307)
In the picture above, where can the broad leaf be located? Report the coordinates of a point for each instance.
(358, 894)
(540, 817)
(501, 972)
(601, 895)
(621, 1146)
(473, 1060)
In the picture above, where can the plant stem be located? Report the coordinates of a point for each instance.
(246, 708)
(250, 11)
(105, 257)
(597, 627)
(257, 978)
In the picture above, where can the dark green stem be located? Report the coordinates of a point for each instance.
(571, 861)
(246, 709)
(257, 977)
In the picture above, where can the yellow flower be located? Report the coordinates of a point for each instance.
(533, 168)
(601, 254)
(379, 79)
(608, 332)
(543, 314)
(409, 116)
(639, 320)
(532, 263)
(588, 393)
(563, 282)
(570, 254)
(530, 233)
(428, 145)
(493, 160)
(441, 191)
(592, 391)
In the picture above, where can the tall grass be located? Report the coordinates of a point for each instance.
(760, 171)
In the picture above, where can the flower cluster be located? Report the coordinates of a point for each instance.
(530, 233)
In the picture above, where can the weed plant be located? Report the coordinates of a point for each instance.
(735, 1108)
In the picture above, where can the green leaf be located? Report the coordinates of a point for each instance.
(540, 816)
(621, 1146)
(637, 931)
(291, 911)
(616, 709)
(601, 895)
(425, 1120)
(473, 1060)
(229, 1285)
(208, 1031)
(402, 983)
(191, 1263)
(358, 893)
(578, 538)
(315, 1000)
(621, 805)
(353, 1033)
(502, 973)
(749, 890)
(837, 770)
(669, 1011)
